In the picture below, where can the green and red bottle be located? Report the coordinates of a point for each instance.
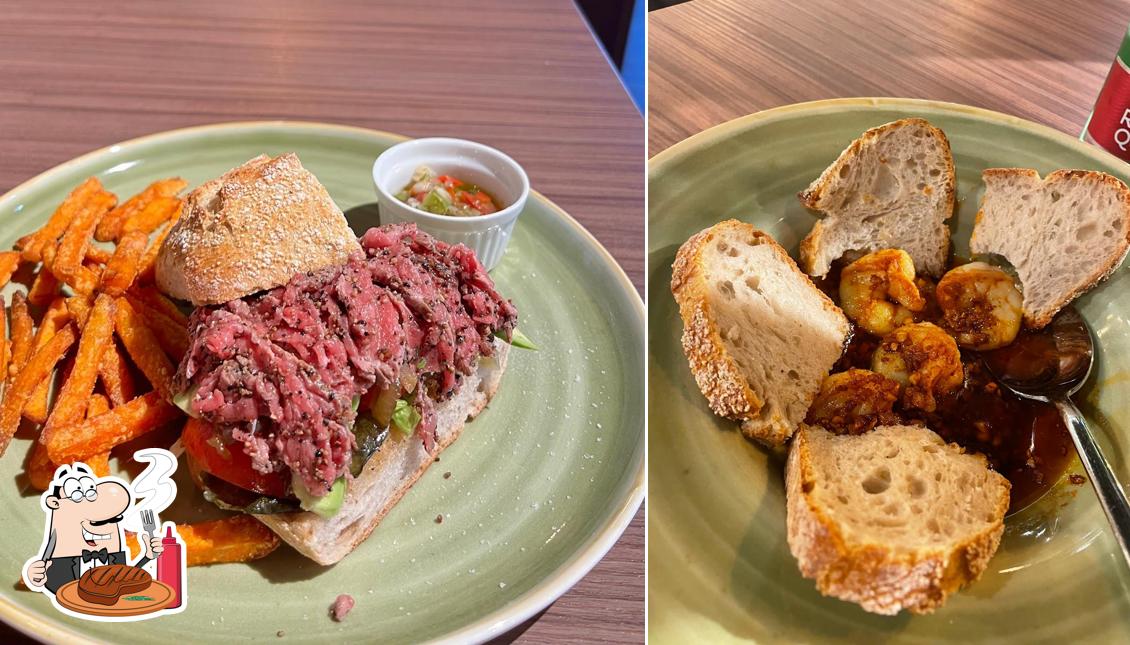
(1109, 125)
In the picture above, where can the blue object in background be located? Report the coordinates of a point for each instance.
(619, 27)
(633, 69)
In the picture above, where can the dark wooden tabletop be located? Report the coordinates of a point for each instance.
(525, 76)
(715, 60)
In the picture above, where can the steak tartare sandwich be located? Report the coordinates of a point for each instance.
(324, 372)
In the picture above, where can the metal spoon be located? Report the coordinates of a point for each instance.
(1051, 366)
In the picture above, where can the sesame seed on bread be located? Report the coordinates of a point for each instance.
(758, 335)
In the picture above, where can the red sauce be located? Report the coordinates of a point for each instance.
(1024, 440)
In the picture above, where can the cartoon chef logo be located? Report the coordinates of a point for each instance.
(83, 565)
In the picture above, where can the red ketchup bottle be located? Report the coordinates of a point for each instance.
(170, 565)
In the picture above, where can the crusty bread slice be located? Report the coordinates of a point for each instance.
(1063, 234)
(892, 519)
(891, 188)
(389, 473)
(251, 229)
(759, 336)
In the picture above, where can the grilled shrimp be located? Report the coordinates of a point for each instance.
(924, 359)
(877, 291)
(854, 402)
(981, 306)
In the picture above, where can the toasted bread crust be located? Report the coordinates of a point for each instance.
(880, 579)
(252, 229)
(1038, 320)
(717, 374)
(811, 196)
(810, 245)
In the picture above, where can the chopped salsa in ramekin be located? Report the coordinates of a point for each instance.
(446, 195)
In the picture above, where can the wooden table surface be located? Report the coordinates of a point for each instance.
(525, 76)
(715, 60)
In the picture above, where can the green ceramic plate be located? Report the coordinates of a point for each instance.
(719, 565)
(541, 484)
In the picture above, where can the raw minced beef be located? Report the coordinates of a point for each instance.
(277, 371)
(341, 607)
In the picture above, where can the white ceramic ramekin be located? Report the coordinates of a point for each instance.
(501, 176)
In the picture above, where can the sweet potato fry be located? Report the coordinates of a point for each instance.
(101, 433)
(238, 538)
(36, 409)
(21, 333)
(70, 404)
(143, 348)
(9, 262)
(97, 405)
(158, 301)
(146, 273)
(172, 338)
(40, 468)
(171, 335)
(100, 464)
(79, 308)
(31, 246)
(44, 288)
(110, 226)
(116, 376)
(85, 280)
(68, 265)
(122, 268)
(98, 255)
(24, 242)
(54, 318)
(38, 367)
(155, 213)
(48, 252)
(5, 344)
(94, 268)
(170, 187)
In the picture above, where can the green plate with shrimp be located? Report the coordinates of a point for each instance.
(719, 566)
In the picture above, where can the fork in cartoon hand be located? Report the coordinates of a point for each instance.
(151, 542)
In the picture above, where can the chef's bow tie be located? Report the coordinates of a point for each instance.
(99, 555)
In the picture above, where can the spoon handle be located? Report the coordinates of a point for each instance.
(1110, 492)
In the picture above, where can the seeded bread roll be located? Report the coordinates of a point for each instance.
(1063, 233)
(894, 519)
(250, 230)
(758, 335)
(892, 188)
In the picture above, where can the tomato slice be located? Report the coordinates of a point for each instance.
(228, 461)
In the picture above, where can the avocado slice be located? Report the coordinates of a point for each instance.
(184, 401)
(327, 505)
